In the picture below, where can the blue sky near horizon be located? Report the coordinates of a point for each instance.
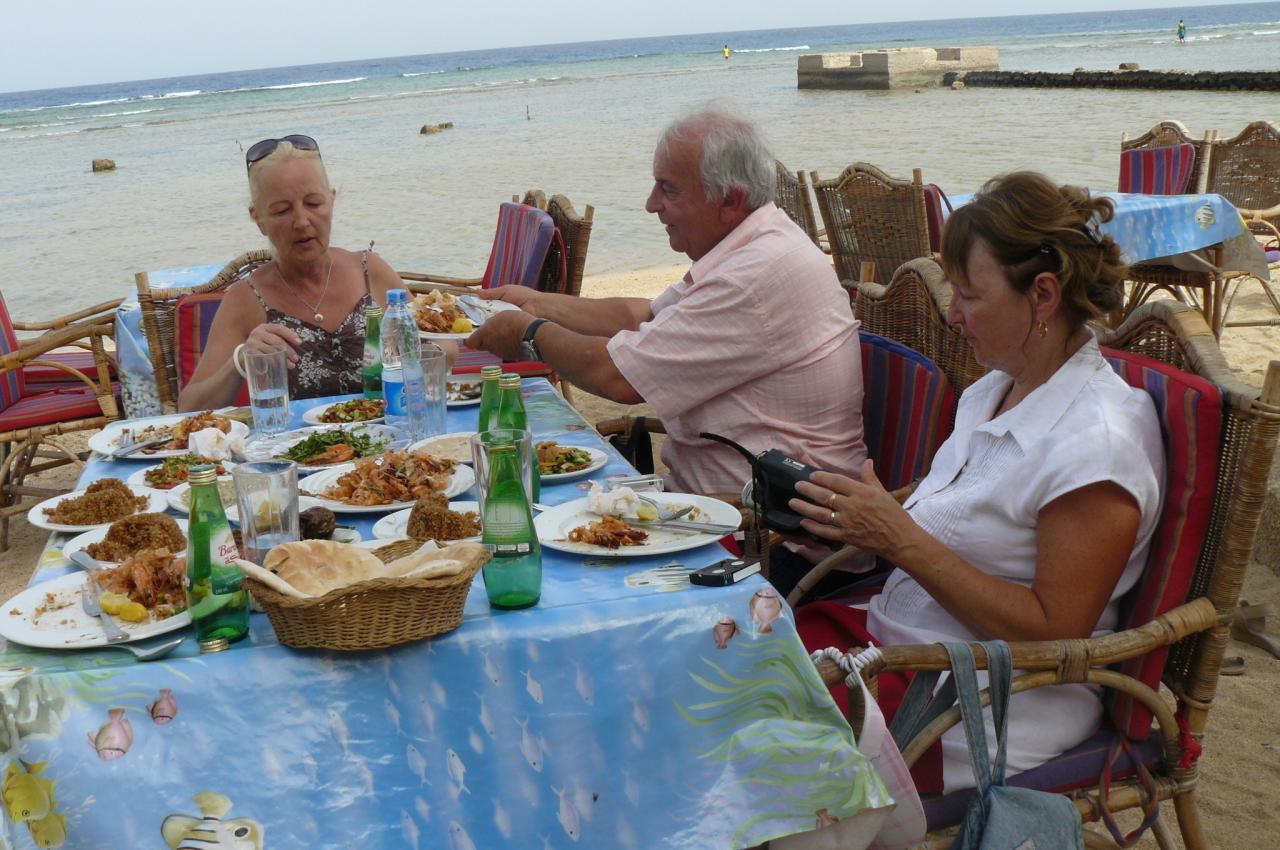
(57, 43)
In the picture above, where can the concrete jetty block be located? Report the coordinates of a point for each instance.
(899, 67)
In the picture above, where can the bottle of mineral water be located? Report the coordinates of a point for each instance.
(371, 369)
(511, 414)
(216, 599)
(402, 383)
(489, 392)
(513, 576)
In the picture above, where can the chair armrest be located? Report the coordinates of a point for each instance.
(439, 279)
(622, 425)
(106, 307)
(66, 336)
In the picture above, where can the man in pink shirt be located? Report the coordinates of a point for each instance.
(756, 343)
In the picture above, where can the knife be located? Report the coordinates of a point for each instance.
(89, 598)
(687, 525)
(134, 448)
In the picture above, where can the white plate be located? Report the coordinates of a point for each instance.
(269, 448)
(69, 627)
(177, 497)
(464, 438)
(554, 525)
(463, 478)
(598, 460)
(494, 307)
(396, 526)
(35, 516)
(108, 439)
(139, 477)
(465, 379)
(80, 541)
(312, 416)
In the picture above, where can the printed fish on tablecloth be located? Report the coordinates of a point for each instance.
(28, 797)
(210, 831)
(164, 709)
(114, 737)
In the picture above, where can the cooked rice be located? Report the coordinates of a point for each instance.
(133, 534)
(106, 500)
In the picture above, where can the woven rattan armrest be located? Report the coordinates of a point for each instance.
(441, 280)
(106, 309)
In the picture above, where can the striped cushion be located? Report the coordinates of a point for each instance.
(192, 321)
(936, 210)
(1157, 171)
(65, 404)
(908, 409)
(12, 383)
(470, 361)
(1190, 413)
(520, 246)
(38, 376)
(1076, 768)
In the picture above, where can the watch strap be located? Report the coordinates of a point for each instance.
(529, 333)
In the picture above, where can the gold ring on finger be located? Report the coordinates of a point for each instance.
(832, 521)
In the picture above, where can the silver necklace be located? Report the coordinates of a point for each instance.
(319, 317)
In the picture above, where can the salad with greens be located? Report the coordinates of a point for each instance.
(339, 445)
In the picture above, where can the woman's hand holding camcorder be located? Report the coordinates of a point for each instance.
(860, 513)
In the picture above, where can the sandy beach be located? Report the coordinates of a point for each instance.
(1240, 794)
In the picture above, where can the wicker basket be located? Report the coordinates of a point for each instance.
(372, 614)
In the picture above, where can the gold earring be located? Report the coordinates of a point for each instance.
(1043, 329)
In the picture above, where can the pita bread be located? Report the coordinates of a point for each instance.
(316, 567)
(449, 561)
(269, 578)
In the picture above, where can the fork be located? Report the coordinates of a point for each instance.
(89, 601)
(663, 514)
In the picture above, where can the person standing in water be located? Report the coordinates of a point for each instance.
(1182, 31)
(726, 53)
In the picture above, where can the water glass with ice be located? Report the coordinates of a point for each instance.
(267, 373)
(267, 502)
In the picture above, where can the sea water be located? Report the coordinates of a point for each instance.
(178, 196)
(270, 411)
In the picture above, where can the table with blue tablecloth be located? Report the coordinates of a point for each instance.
(611, 714)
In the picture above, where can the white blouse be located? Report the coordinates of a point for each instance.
(982, 499)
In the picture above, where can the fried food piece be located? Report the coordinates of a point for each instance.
(609, 532)
(316, 524)
(199, 422)
(133, 534)
(431, 519)
(153, 578)
(106, 500)
(335, 454)
(394, 477)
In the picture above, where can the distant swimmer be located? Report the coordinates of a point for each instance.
(1182, 31)
(726, 52)
(528, 116)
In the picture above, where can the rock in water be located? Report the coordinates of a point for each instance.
(104, 165)
(1128, 66)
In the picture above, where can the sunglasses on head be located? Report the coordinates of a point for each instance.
(263, 149)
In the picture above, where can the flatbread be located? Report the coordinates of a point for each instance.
(316, 567)
(269, 578)
(449, 561)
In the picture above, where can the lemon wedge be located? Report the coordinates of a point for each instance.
(462, 325)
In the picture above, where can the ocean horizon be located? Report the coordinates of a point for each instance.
(578, 119)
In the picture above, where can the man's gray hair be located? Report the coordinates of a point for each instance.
(734, 154)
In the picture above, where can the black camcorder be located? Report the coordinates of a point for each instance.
(773, 482)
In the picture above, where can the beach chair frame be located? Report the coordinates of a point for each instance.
(1196, 631)
(791, 195)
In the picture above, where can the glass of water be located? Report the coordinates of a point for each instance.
(267, 505)
(267, 373)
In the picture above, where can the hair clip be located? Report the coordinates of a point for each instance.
(1093, 230)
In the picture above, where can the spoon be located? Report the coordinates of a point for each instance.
(149, 653)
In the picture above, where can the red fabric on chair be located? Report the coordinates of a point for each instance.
(1157, 171)
(12, 383)
(61, 405)
(193, 319)
(1190, 413)
(39, 378)
(936, 210)
(520, 246)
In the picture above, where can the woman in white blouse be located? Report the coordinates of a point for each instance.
(1037, 512)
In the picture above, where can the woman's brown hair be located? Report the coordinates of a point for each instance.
(1034, 226)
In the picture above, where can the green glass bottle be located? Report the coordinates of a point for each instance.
(511, 415)
(513, 576)
(371, 369)
(216, 599)
(489, 397)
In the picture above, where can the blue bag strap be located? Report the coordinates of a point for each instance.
(965, 675)
(920, 706)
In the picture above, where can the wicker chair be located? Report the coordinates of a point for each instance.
(874, 222)
(1243, 170)
(792, 197)
(912, 309)
(45, 393)
(1169, 133)
(1184, 645)
(159, 311)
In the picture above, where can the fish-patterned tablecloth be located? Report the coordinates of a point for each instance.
(618, 712)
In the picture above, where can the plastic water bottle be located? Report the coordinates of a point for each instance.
(402, 383)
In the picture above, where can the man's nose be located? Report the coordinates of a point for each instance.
(651, 204)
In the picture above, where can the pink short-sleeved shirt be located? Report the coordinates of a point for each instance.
(758, 344)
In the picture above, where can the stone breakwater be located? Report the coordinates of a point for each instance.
(1129, 79)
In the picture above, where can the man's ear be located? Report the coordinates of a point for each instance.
(734, 206)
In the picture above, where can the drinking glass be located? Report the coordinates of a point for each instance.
(267, 373)
(480, 445)
(435, 380)
(267, 499)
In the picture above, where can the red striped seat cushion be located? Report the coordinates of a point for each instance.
(470, 361)
(41, 376)
(1190, 413)
(12, 383)
(908, 409)
(61, 405)
(193, 319)
(520, 246)
(1157, 171)
(936, 210)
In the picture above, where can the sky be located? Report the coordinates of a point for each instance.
(57, 43)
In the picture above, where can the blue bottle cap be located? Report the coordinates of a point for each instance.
(397, 296)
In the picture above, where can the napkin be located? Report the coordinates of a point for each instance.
(215, 445)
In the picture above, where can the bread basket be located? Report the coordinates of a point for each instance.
(371, 614)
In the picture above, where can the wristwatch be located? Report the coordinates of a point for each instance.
(529, 348)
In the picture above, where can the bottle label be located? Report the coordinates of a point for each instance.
(224, 575)
(393, 392)
(371, 356)
(509, 549)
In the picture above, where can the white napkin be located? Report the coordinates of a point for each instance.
(215, 445)
(619, 502)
